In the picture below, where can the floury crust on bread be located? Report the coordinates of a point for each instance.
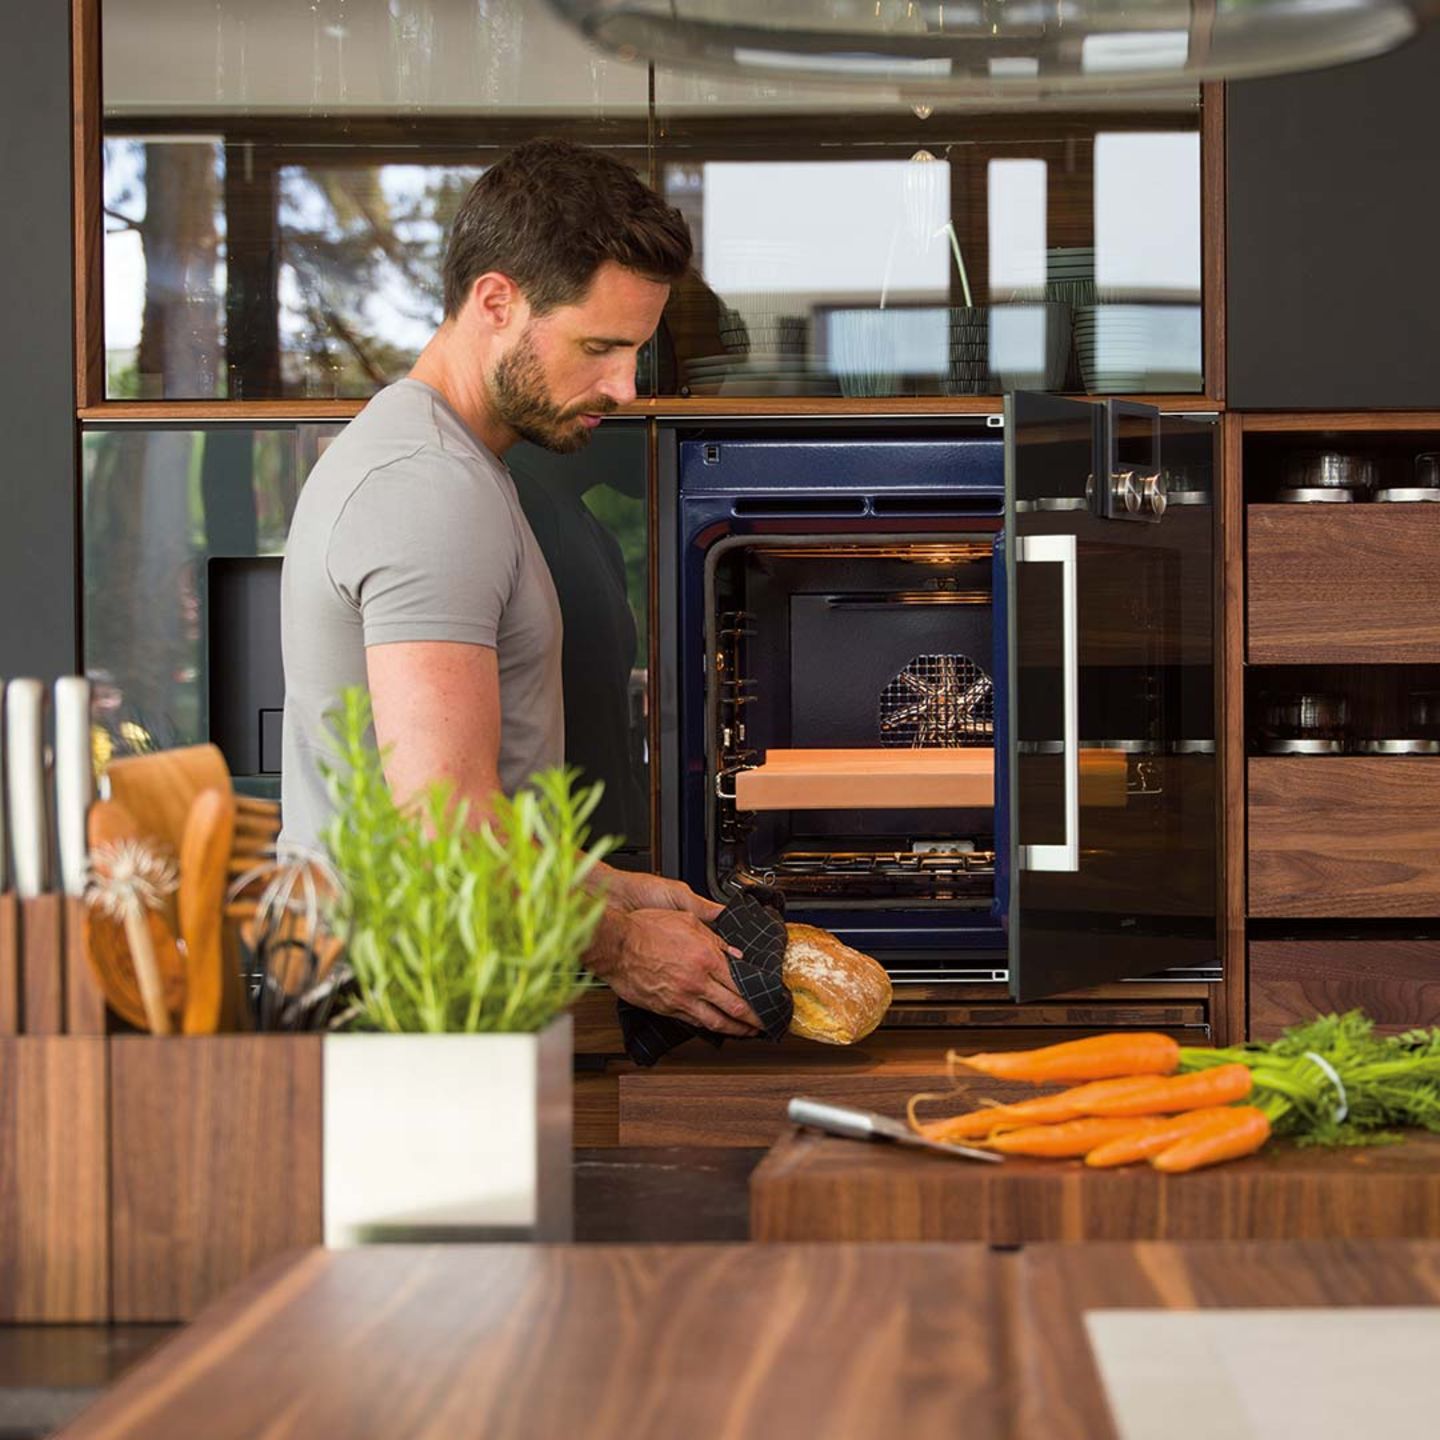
(840, 994)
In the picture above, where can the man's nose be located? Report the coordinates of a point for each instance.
(619, 383)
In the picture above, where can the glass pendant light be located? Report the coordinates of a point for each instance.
(1019, 48)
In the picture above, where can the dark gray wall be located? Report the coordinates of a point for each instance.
(38, 475)
(1333, 218)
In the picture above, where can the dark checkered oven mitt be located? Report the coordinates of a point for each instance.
(757, 930)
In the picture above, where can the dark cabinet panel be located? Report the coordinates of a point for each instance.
(1333, 294)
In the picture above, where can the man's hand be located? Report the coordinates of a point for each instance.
(632, 890)
(665, 960)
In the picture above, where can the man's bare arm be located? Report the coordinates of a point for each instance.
(437, 711)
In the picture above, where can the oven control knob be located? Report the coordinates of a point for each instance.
(1152, 494)
(1123, 492)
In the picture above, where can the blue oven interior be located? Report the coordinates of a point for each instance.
(846, 593)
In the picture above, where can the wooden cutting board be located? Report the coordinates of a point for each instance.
(815, 1187)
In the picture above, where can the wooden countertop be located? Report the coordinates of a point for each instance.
(814, 1187)
(740, 1341)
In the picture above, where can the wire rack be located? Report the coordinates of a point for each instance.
(938, 700)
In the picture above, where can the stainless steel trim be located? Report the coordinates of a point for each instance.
(1406, 494)
(1193, 747)
(1314, 495)
(1061, 550)
(1059, 503)
(1126, 747)
(1304, 747)
(1398, 747)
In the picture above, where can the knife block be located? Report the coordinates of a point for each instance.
(215, 1163)
(54, 1196)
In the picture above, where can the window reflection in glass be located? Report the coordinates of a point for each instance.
(158, 504)
(162, 503)
(279, 180)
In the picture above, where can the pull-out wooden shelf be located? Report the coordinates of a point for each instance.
(869, 780)
(909, 779)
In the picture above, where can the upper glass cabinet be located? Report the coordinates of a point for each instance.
(279, 179)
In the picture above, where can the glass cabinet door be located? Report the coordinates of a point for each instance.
(1110, 751)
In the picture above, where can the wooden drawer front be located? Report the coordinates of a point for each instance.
(1396, 982)
(1343, 583)
(1355, 836)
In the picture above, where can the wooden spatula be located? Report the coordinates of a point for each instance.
(106, 948)
(204, 863)
(158, 789)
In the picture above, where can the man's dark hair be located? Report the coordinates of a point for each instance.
(549, 215)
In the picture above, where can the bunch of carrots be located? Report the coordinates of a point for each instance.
(1333, 1081)
(1132, 1107)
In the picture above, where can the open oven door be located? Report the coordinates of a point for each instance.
(1106, 822)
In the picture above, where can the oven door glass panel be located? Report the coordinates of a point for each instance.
(1110, 733)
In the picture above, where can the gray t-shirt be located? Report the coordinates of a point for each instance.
(410, 529)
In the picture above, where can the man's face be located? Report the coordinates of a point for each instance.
(575, 364)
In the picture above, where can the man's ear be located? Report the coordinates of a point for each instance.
(495, 303)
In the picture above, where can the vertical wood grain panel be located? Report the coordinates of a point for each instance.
(89, 241)
(84, 1005)
(9, 964)
(42, 965)
(54, 1230)
(216, 1164)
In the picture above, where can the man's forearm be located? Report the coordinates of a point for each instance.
(606, 945)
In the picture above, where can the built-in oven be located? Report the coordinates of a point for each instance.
(945, 692)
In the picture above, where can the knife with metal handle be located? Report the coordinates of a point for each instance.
(25, 776)
(866, 1125)
(74, 779)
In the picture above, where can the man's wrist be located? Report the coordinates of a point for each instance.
(602, 956)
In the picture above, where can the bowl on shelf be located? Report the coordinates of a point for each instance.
(1029, 345)
(1138, 348)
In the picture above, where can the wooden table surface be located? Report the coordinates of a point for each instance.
(815, 1187)
(735, 1341)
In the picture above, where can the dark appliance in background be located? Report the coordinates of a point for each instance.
(843, 587)
(591, 517)
(246, 680)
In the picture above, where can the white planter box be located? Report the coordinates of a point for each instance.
(448, 1137)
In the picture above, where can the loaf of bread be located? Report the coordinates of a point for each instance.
(840, 995)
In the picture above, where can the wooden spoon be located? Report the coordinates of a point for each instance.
(204, 858)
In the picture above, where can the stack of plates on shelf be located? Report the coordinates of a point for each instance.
(1070, 276)
(1138, 348)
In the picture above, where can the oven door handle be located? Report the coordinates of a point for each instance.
(1060, 550)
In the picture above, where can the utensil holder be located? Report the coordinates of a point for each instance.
(215, 1154)
(55, 1259)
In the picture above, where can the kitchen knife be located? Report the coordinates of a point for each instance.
(74, 779)
(25, 776)
(74, 792)
(866, 1125)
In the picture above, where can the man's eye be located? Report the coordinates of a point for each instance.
(597, 349)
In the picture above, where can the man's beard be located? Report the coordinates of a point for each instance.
(522, 400)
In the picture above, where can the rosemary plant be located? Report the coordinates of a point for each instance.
(453, 927)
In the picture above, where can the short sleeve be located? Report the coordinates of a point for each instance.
(426, 548)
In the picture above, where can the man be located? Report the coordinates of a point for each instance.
(410, 566)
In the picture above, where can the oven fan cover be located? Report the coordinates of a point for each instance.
(938, 700)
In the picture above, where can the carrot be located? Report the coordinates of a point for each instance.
(1240, 1132)
(1045, 1110)
(1074, 1137)
(1100, 1057)
(1167, 1094)
(1151, 1138)
(1129, 1095)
